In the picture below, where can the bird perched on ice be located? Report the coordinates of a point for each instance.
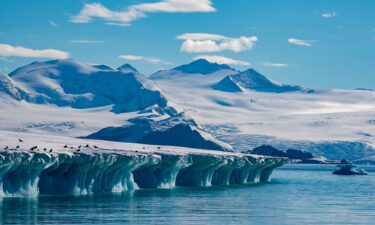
(20, 140)
(33, 148)
(17, 147)
(50, 150)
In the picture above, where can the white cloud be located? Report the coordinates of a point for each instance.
(118, 24)
(9, 50)
(275, 64)
(295, 41)
(201, 36)
(204, 42)
(152, 60)
(172, 6)
(52, 23)
(200, 46)
(83, 41)
(134, 12)
(130, 57)
(222, 60)
(329, 14)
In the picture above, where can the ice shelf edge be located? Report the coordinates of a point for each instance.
(27, 173)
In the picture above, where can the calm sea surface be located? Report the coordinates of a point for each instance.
(298, 194)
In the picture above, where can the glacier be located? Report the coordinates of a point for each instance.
(118, 167)
(247, 109)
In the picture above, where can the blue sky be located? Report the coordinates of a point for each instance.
(315, 43)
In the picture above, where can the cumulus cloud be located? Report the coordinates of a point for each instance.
(152, 60)
(83, 41)
(222, 60)
(9, 50)
(329, 14)
(134, 12)
(295, 41)
(204, 42)
(275, 64)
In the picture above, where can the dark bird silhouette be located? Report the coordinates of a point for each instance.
(6, 148)
(79, 146)
(50, 150)
(33, 148)
(20, 140)
(87, 146)
(78, 150)
(17, 146)
(44, 149)
(159, 147)
(143, 148)
(65, 146)
(95, 146)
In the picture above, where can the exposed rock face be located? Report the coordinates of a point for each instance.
(297, 154)
(268, 150)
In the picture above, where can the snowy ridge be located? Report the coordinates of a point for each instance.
(176, 130)
(7, 87)
(80, 85)
(255, 110)
(252, 80)
(117, 167)
(98, 88)
(196, 68)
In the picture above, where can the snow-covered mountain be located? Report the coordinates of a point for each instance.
(198, 67)
(127, 68)
(67, 97)
(177, 130)
(243, 109)
(246, 109)
(252, 80)
(80, 85)
(8, 88)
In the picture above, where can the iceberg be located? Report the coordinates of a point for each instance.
(71, 169)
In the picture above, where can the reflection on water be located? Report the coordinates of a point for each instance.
(297, 195)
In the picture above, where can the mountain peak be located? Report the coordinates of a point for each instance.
(253, 80)
(82, 85)
(201, 66)
(127, 68)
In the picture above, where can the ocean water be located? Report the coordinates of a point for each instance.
(297, 194)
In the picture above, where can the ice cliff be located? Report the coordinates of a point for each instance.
(118, 167)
